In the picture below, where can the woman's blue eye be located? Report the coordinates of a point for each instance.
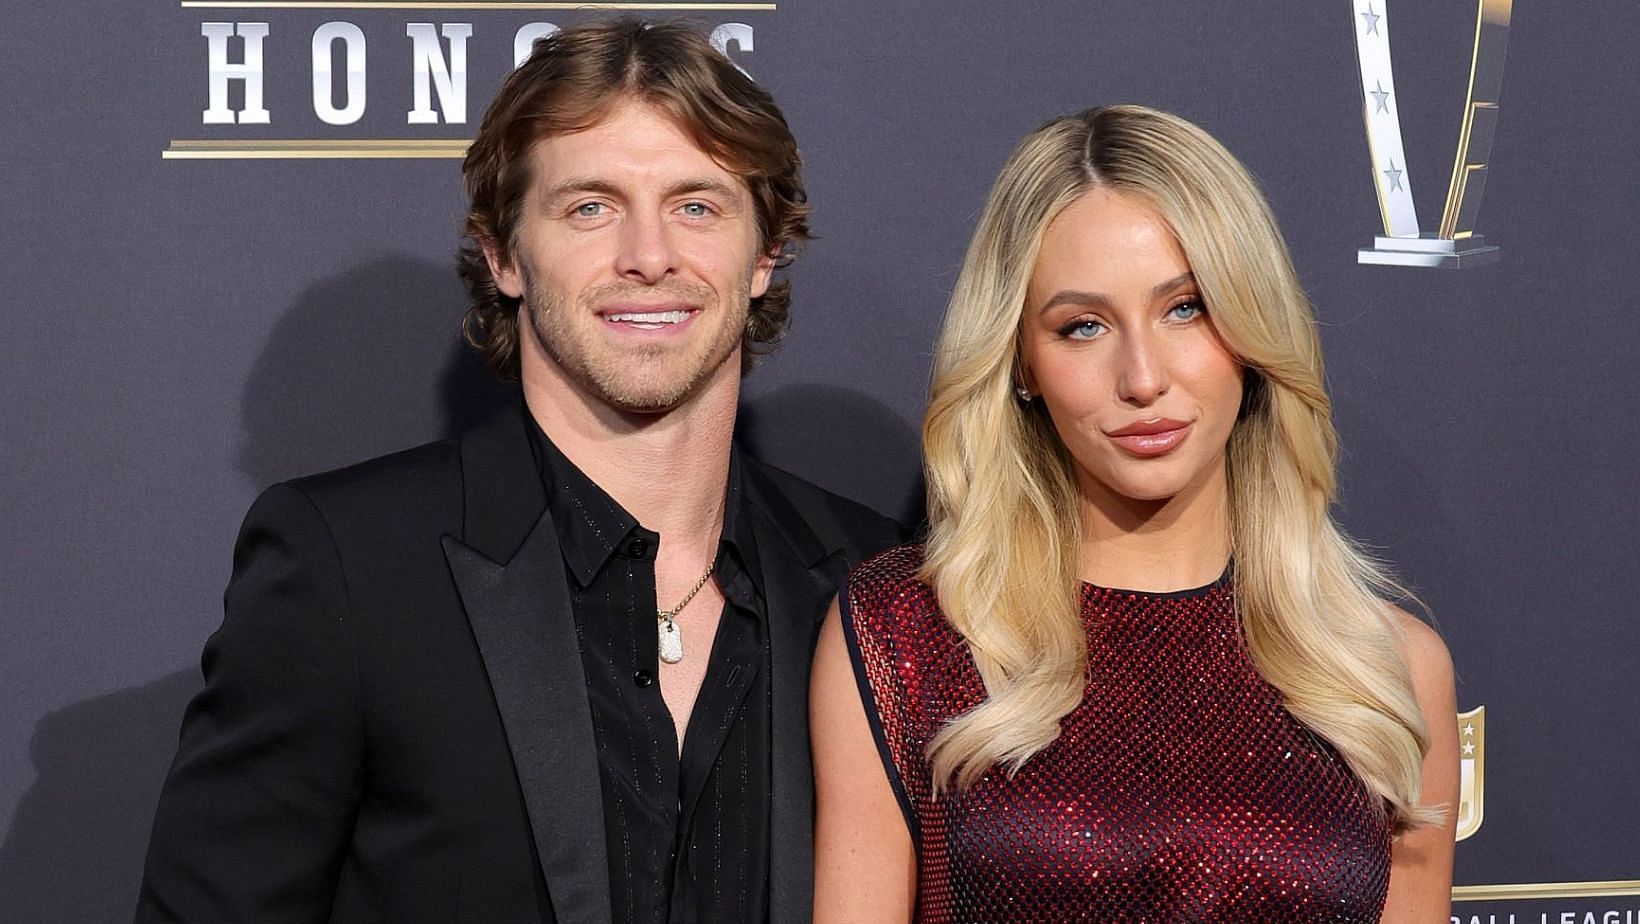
(1185, 311)
(1083, 330)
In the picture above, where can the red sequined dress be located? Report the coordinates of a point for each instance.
(1179, 790)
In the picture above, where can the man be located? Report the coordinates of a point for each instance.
(555, 670)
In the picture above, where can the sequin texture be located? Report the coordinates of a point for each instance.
(1180, 789)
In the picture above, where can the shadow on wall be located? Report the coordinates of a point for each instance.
(371, 361)
(843, 441)
(76, 845)
(366, 362)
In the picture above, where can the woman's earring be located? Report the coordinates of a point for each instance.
(1024, 394)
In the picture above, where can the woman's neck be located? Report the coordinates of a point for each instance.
(1176, 543)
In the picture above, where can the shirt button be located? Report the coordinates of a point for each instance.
(637, 548)
(643, 678)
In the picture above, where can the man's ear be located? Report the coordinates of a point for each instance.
(507, 278)
(763, 270)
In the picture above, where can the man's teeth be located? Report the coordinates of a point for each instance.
(650, 317)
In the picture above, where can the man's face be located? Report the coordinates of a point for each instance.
(636, 258)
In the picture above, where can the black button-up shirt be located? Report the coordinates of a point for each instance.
(688, 834)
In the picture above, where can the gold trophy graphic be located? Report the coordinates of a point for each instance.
(1454, 244)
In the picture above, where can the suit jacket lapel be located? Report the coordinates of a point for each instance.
(509, 572)
(800, 576)
(501, 485)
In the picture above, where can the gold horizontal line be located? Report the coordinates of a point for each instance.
(301, 149)
(1540, 890)
(459, 5)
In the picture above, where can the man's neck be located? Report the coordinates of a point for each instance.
(669, 470)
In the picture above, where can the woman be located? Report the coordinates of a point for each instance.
(1128, 393)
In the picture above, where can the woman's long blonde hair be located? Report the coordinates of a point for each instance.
(1002, 501)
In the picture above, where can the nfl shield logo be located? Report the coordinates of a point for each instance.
(1472, 770)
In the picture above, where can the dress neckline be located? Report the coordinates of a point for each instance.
(1218, 583)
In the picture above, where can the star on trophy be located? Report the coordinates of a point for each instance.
(1454, 244)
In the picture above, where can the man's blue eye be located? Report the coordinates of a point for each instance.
(589, 209)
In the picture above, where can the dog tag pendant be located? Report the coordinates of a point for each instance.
(671, 641)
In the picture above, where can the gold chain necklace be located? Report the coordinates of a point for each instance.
(671, 637)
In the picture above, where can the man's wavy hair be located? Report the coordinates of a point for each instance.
(571, 82)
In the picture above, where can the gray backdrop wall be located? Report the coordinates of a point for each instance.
(180, 331)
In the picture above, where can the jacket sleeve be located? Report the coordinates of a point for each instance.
(256, 812)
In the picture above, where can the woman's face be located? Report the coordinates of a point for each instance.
(1119, 346)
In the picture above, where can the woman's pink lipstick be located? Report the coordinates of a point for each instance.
(1148, 438)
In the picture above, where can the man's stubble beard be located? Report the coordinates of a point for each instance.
(648, 380)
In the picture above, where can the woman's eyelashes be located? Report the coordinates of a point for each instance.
(1187, 309)
(1182, 311)
(1082, 328)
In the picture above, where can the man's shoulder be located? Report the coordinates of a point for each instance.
(838, 520)
(408, 484)
(412, 469)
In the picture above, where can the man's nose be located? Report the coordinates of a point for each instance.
(647, 252)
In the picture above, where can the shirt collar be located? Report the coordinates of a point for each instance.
(592, 527)
(737, 527)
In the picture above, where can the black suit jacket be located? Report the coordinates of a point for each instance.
(394, 725)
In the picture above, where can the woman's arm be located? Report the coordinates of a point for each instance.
(865, 870)
(1420, 878)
